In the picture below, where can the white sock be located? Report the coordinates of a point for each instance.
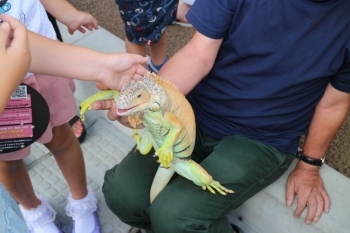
(82, 212)
(41, 218)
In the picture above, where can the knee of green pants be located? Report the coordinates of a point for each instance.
(126, 187)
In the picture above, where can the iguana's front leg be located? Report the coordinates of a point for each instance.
(143, 143)
(86, 105)
(165, 152)
(196, 173)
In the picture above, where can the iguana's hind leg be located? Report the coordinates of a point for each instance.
(161, 179)
(196, 173)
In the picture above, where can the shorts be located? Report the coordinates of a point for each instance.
(58, 93)
(146, 20)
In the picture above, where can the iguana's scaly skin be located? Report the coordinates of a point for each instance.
(169, 128)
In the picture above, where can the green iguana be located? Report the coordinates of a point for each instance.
(169, 128)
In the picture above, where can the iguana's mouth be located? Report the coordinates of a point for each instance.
(124, 111)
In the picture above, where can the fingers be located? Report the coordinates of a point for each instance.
(4, 34)
(139, 76)
(19, 31)
(327, 201)
(101, 86)
(81, 29)
(316, 205)
(141, 71)
(94, 24)
(290, 193)
(103, 105)
(318, 210)
(313, 206)
(107, 105)
(113, 116)
(301, 204)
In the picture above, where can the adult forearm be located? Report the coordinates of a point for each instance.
(329, 116)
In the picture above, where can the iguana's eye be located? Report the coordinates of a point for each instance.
(139, 96)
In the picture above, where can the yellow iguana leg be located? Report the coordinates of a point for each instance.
(196, 173)
(144, 143)
(86, 105)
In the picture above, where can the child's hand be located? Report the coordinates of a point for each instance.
(15, 57)
(14, 47)
(114, 70)
(80, 21)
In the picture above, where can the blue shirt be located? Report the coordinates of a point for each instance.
(276, 59)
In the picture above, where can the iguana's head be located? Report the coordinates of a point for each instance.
(139, 96)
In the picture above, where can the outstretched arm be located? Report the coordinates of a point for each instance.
(305, 181)
(54, 58)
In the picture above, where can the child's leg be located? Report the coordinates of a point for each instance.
(158, 50)
(82, 203)
(69, 156)
(133, 48)
(15, 178)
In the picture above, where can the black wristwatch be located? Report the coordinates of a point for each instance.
(315, 162)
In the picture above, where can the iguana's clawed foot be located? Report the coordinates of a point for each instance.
(85, 106)
(137, 138)
(165, 156)
(215, 185)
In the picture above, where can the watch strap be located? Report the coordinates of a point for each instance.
(315, 162)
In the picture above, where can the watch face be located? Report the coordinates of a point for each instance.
(24, 119)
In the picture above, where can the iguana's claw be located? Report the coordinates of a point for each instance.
(218, 187)
(137, 138)
(165, 157)
(85, 106)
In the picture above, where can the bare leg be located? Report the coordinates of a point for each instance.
(182, 11)
(15, 178)
(69, 156)
(158, 50)
(139, 49)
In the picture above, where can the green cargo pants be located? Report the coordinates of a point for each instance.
(241, 164)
